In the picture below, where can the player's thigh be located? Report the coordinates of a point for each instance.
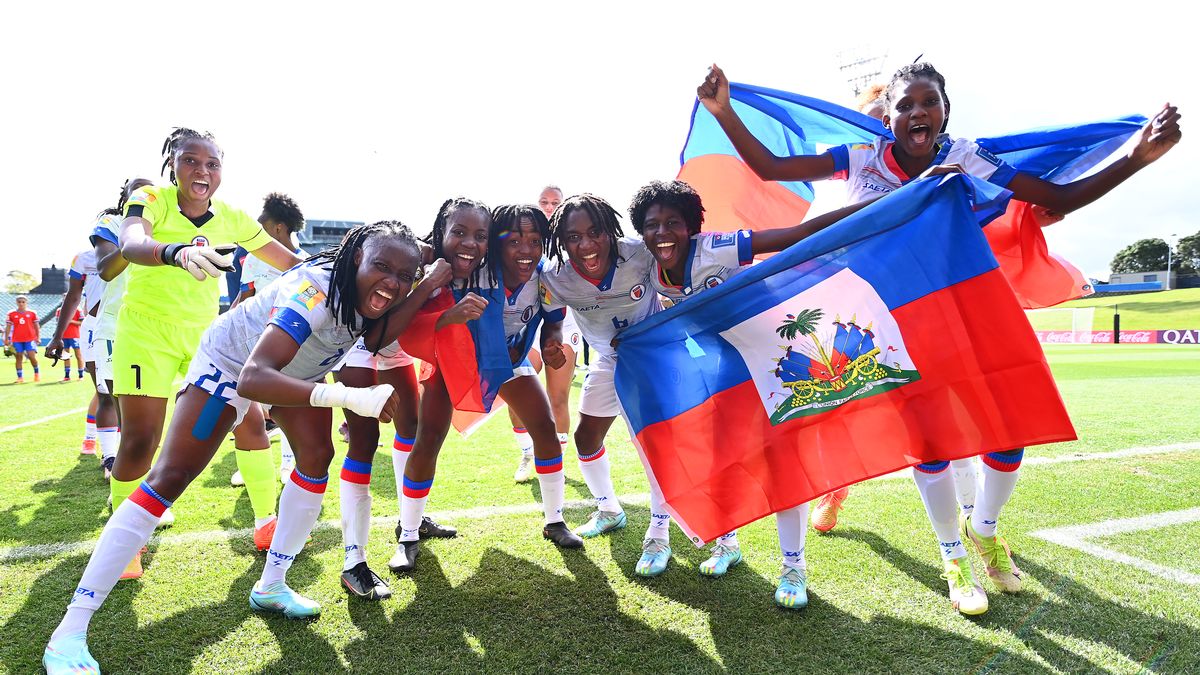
(309, 432)
(404, 380)
(199, 423)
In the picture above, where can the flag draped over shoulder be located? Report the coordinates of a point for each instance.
(471, 357)
(886, 340)
(790, 124)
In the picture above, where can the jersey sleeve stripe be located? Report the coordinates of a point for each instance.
(293, 324)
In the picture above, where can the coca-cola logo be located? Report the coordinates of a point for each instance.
(1141, 337)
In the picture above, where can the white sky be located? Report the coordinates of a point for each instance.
(364, 111)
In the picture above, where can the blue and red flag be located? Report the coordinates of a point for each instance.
(790, 124)
(886, 340)
(472, 357)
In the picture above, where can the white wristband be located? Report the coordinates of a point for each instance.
(362, 401)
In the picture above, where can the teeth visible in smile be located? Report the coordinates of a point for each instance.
(385, 294)
(466, 257)
(665, 245)
(525, 262)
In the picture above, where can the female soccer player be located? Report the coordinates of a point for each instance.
(917, 112)
(275, 349)
(164, 313)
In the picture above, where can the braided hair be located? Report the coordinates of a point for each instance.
(507, 220)
(438, 234)
(601, 213)
(179, 136)
(343, 298)
(126, 193)
(918, 71)
(280, 208)
(675, 194)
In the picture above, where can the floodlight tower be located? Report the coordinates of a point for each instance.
(861, 66)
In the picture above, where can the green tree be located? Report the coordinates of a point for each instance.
(19, 282)
(805, 324)
(1143, 255)
(1187, 255)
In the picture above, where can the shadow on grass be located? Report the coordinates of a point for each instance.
(75, 503)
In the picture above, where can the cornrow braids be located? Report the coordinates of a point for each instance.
(675, 194)
(342, 299)
(507, 219)
(438, 234)
(601, 213)
(918, 71)
(176, 139)
(281, 208)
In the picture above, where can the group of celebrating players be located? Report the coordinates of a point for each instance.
(565, 268)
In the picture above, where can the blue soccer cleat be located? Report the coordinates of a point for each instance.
(655, 556)
(792, 592)
(601, 522)
(722, 558)
(69, 655)
(280, 599)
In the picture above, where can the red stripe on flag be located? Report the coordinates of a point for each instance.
(735, 198)
(1038, 277)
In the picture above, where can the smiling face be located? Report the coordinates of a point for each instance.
(465, 240)
(197, 166)
(549, 200)
(916, 116)
(666, 235)
(387, 269)
(588, 246)
(520, 252)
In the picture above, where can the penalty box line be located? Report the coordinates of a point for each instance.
(36, 551)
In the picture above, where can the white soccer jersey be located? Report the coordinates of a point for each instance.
(713, 257)
(257, 274)
(295, 303)
(83, 266)
(870, 169)
(522, 305)
(603, 309)
(108, 228)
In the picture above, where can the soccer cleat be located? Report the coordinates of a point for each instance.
(69, 655)
(655, 556)
(264, 534)
(107, 465)
(280, 599)
(824, 515)
(66, 379)
(167, 520)
(792, 591)
(37, 378)
(236, 479)
(431, 530)
(561, 535)
(997, 558)
(601, 522)
(723, 557)
(405, 557)
(966, 594)
(134, 569)
(364, 583)
(89, 447)
(19, 380)
(524, 469)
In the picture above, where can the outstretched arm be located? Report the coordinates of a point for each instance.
(277, 255)
(775, 240)
(714, 95)
(1158, 137)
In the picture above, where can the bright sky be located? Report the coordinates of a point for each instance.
(383, 111)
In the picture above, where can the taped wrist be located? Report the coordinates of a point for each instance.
(328, 396)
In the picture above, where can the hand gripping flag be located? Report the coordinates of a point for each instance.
(886, 340)
(471, 357)
(790, 124)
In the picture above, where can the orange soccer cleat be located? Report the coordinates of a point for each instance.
(824, 515)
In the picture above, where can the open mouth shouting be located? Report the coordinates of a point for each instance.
(199, 189)
(920, 136)
(379, 301)
(591, 264)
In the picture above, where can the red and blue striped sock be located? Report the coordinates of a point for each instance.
(553, 484)
(413, 496)
(354, 496)
(1000, 471)
(299, 507)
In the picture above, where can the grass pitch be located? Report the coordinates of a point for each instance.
(501, 599)
(1177, 309)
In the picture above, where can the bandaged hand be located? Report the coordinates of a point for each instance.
(362, 401)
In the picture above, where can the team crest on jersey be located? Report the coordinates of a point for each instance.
(545, 293)
(637, 292)
(723, 240)
(712, 281)
(527, 314)
(309, 295)
(199, 241)
(824, 361)
(574, 338)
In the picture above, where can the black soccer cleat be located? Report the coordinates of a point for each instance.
(364, 583)
(562, 536)
(431, 530)
(405, 558)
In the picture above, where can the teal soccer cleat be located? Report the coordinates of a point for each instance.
(69, 655)
(601, 522)
(723, 557)
(655, 556)
(792, 592)
(280, 599)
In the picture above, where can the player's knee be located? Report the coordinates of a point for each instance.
(1007, 460)
(171, 481)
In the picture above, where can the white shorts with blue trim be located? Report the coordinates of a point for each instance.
(204, 375)
(85, 338)
(599, 396)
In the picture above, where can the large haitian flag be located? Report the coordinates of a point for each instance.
(791, 124)
(883, 341)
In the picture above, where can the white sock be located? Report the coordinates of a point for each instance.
(598, 476)
(964, 483)
(729, 540)
(936, 486)
(524, 441)
(553, 482)
(126, 532)
(89, 431)
(355, 500)
(299, 507)
(411, 511)
(792, 525)
(110, 440)
(563, 437)
(997, 488)
(287, 459)
(660, 521)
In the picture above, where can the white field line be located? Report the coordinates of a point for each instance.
(22, 425)
(1076, 537)
(35, 551)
